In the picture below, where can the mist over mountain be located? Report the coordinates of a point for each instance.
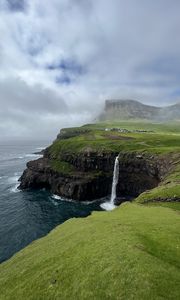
(131, 109)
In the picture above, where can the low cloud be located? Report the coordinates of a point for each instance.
(34, 112)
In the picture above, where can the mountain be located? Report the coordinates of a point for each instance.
(132, 109)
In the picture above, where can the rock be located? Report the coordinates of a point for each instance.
(92, 175)
(39, 152)
(127, 109)
(78, 186)
(139, 156)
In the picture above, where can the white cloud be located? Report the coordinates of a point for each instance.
(61, 58)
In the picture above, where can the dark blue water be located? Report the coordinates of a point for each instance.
(28, 215)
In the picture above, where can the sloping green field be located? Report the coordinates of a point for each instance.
(132, 252)
(159, 138)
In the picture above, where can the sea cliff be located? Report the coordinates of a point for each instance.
(79, 163)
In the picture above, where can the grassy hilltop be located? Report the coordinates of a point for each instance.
(159, 138)
(132, 252)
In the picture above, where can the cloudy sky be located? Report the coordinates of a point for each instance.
(60, 59)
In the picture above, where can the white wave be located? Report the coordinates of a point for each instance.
(40, 148)
(32, 155)
(108, 206)
(15, 189)
(14, 181)
(56, 197)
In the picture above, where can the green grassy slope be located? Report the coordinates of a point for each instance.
(173, 205)
(169, 127)
(170, 191)
(165, 138)
(132, 252)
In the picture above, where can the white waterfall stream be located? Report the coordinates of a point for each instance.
(115, 179)
(110, 204)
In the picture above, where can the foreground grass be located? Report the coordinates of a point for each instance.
(172, 205)
(129, 253)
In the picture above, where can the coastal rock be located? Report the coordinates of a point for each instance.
(78, 186)
(92, 174)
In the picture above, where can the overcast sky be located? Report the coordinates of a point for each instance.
(60, 59)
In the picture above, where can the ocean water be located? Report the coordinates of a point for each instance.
(29, 215)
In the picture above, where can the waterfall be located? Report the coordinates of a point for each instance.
(110, 205)
(115, 179)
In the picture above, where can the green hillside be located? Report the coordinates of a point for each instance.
(158, 138)
(129, 253)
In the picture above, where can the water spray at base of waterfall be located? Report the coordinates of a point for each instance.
(111, 204)
(108, 206)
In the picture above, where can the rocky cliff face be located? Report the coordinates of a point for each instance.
(131, 109)
(91, 177)
(78, 186)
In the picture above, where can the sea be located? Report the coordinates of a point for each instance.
(28, 215)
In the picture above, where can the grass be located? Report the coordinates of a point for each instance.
(152, 143)
(175, 175)
(171, 128)
(172, 205)
(129, 253)
(168, 191)
(164, 139)
(66, 168)
(62, 166)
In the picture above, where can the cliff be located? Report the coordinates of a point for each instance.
(79, 164)
(131, 109)
(138, 173)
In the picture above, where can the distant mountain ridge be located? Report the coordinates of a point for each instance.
(132, 109)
